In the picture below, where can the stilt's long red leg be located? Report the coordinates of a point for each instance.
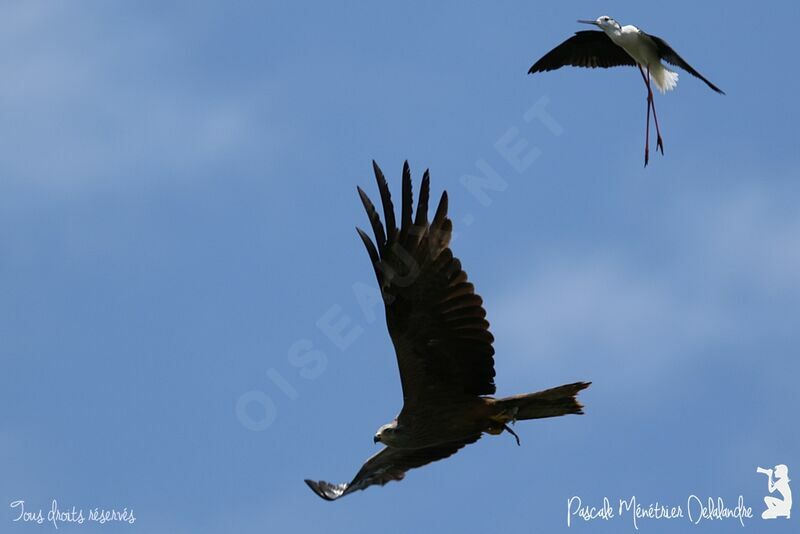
(659, 142)
(647, 128)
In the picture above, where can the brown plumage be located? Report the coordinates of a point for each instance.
(442, 342)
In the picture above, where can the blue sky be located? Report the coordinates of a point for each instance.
(177, 206)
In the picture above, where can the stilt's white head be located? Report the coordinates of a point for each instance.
(605, 23)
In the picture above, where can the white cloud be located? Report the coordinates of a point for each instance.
(595, 305)
(84, 102)
(754, 234)
(739, 257)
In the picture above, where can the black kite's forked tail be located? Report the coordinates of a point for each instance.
(548, 403)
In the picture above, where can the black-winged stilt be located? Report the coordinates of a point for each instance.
(619, 45)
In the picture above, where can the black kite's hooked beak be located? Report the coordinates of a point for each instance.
(375, 439)
(592, 22)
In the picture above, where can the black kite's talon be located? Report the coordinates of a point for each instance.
(508, 429)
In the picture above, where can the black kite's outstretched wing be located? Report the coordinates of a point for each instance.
(588, 48)
(435, 318)
(671, 56)
(388, 464)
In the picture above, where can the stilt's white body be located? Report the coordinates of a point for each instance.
(641, 48)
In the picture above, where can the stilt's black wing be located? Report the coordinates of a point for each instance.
(671, 56)
(588, 48)
(389, 464)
